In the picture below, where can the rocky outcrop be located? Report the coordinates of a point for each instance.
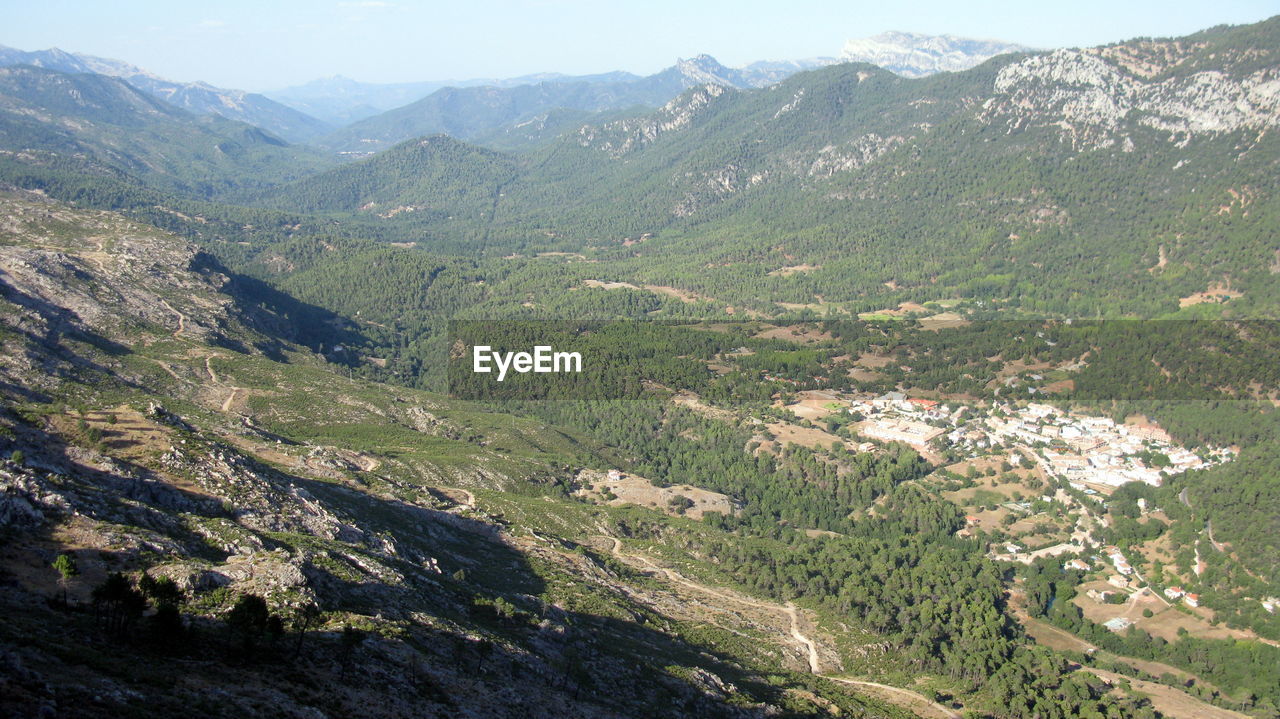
(623, 136)
(915, 55)
(1096, 102)
(114, 280)
(258, 497)
(20, 499)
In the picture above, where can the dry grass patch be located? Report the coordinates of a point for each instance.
(632, 489)
(1216, 295)
(793, 269)
(810, 437)
(802, 335)
(1170, 702)
(943, 321)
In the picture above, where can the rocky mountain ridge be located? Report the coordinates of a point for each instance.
(1094, 96)
(109, 124)
(198, 97)
(490, 112)
(916, 55)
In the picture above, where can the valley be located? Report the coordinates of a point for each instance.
(944, 386)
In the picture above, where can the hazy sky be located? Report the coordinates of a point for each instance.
(268, 44)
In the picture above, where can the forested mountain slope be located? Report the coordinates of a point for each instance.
(1144, 171)
(472, 113)
(106, 122)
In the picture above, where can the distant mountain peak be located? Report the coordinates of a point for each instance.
(703, 69)
(701, 58)
(915, 54)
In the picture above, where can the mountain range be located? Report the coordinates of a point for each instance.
(835, 159)
(341, 101)
(477, 112)
(508, 112)
(841, 160)
(111, 125)
(198, 97)
(916, 55)
(238, 476)
(500, 113)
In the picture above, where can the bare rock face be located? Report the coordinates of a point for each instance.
(190, 576)
(623, 136)
(19, 499)
(851, 155)
(112, 277)
(262, 573)
(260, 499)
(915, 55)
(1098, 99)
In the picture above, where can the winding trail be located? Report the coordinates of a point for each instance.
(811, 648)
(675, 576)
(910, 699)
(1199, 567)
(230, 401)
(167, 368)
(1208, 525)
(808, 643)
(905, 697)
(182, 319)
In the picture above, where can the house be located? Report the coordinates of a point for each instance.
(1117, 581)
(1192, 600)
(1175, 593)
(614, 475)
(1012, 548)
(1039, 411)
(1077, 565)
(1100, 596)
(887, 400)
(1271, 604)
(1117, 558)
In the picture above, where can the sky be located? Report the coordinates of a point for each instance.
(262, 45)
